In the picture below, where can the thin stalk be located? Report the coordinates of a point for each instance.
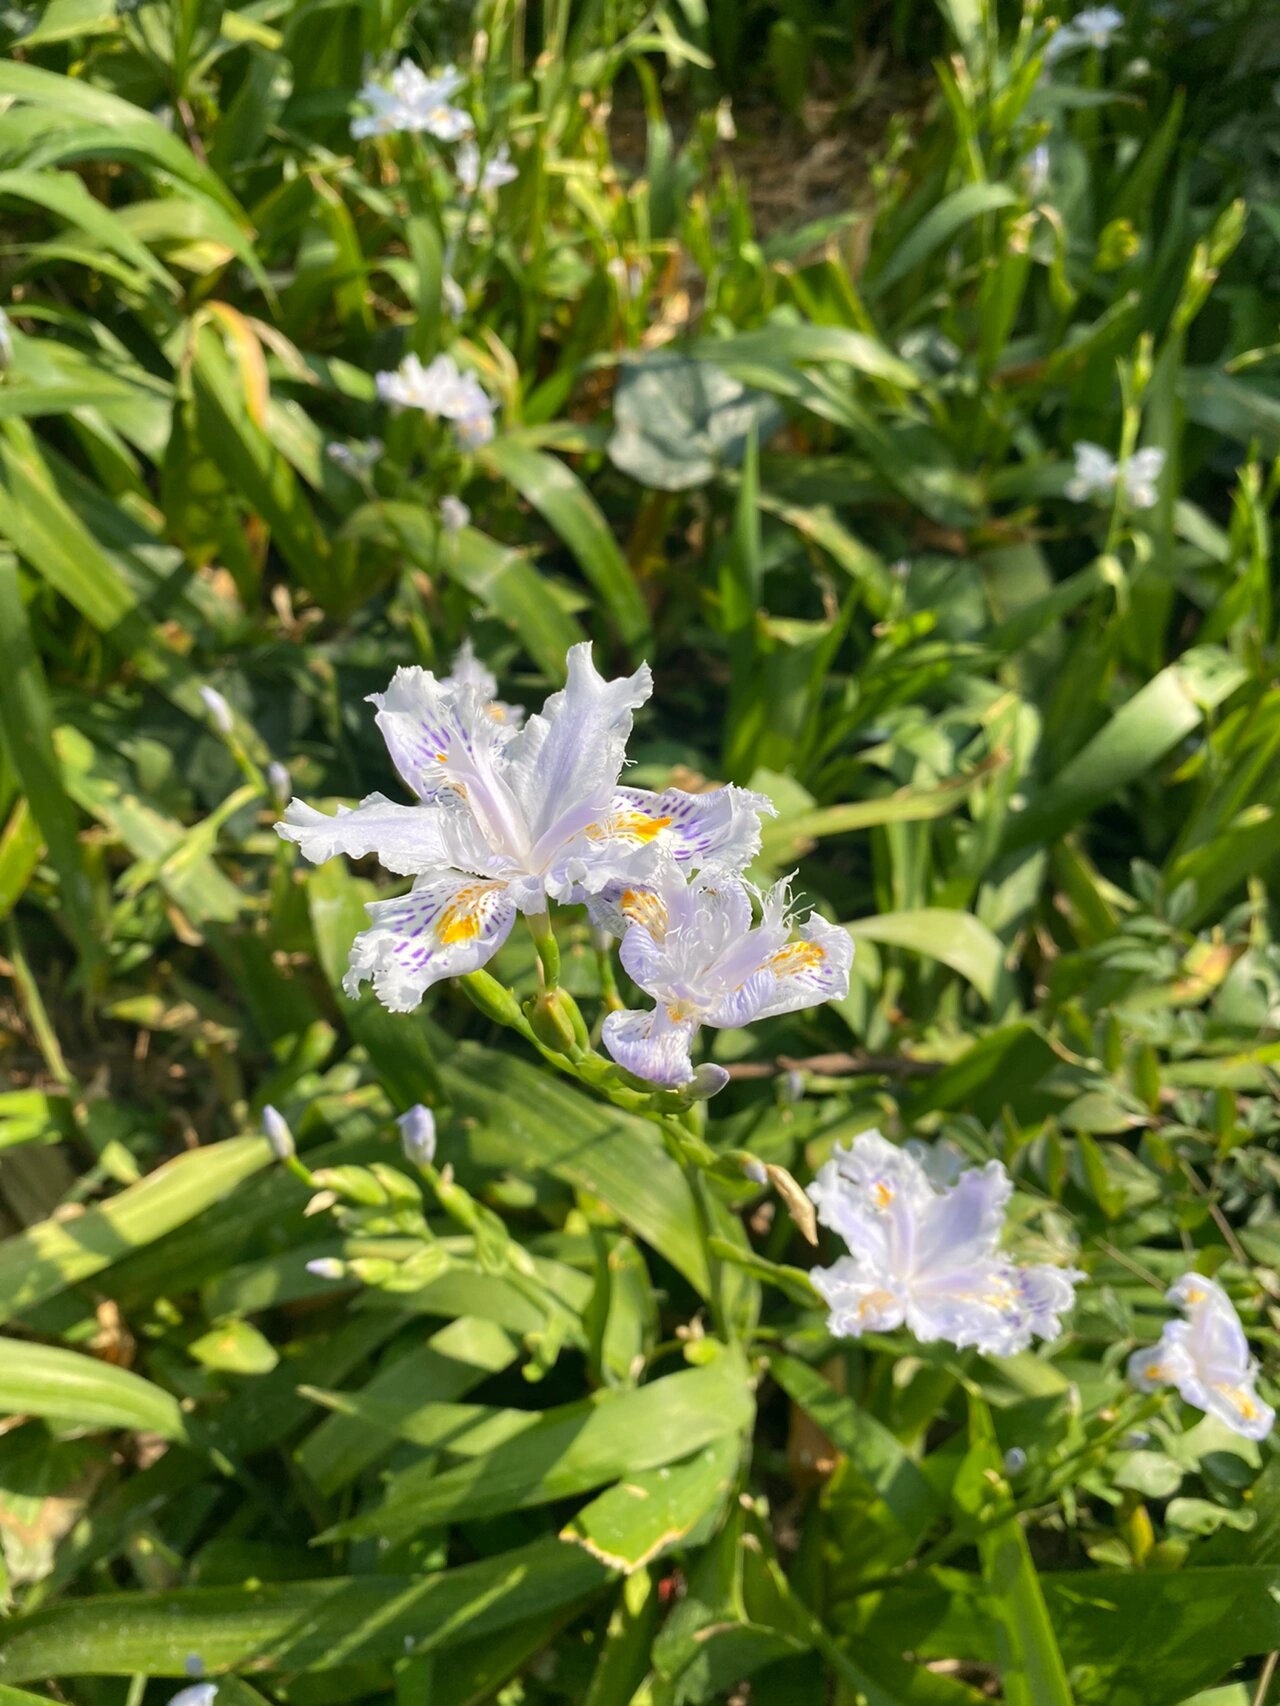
(1264, 1681)
(544, 941)
(42, 1030)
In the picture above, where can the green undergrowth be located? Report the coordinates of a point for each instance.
(579, 1436)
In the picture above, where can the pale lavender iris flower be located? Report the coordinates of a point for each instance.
(695, 948)
(1206, 1356)
(505, 819)
(1093, 27)
(496, 171)
(412, 101)
(1098, 474)
(927, 1256)
(441, 389)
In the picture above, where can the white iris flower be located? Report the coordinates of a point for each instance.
(497, 171)
(506, 818)
(441, 389)
(411, 100)
(1094, 27)
(928, 1256)
(1207, 1358)
(1098, 474)
(693, 946)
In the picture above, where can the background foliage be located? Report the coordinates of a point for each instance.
(815, 468)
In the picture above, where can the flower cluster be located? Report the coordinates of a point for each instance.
(1206, 1357)
(924, 1252)
(442, 390)
(513, 813)
(412, 101)
(1098, 474)
(924, 1237)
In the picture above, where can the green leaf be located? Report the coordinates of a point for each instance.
(646, 1514)
(874, 1455)
(563, 501)
(101, 785)
(452, 1361)
(1207, 1619)
(940, 225)
(524, 1118)
(56, 544)
(501, 580)
(958, 939)
(45, 1380)
(818, 525)
(786, 837)
(568, 1450)
(20, 1697)
(21, 845)
(26, 726)
(255, 465)
(1143, 731)
(998, 1071)
(48, 1257)
(296, 1626)
(753, 356)
(63, 19)
(678, 421)
(235, 1347)
(1031, 1667)
(63, 194)
(75, 98)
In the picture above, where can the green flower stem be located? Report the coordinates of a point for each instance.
(613, 1002)
(301, 1172)
(544, 941)
(1064, 1475)
(551, 1026)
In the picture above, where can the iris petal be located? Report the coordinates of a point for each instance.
(407, 839)
(570, 753)
(448, 924)
(720, 827)
(652, 1045)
